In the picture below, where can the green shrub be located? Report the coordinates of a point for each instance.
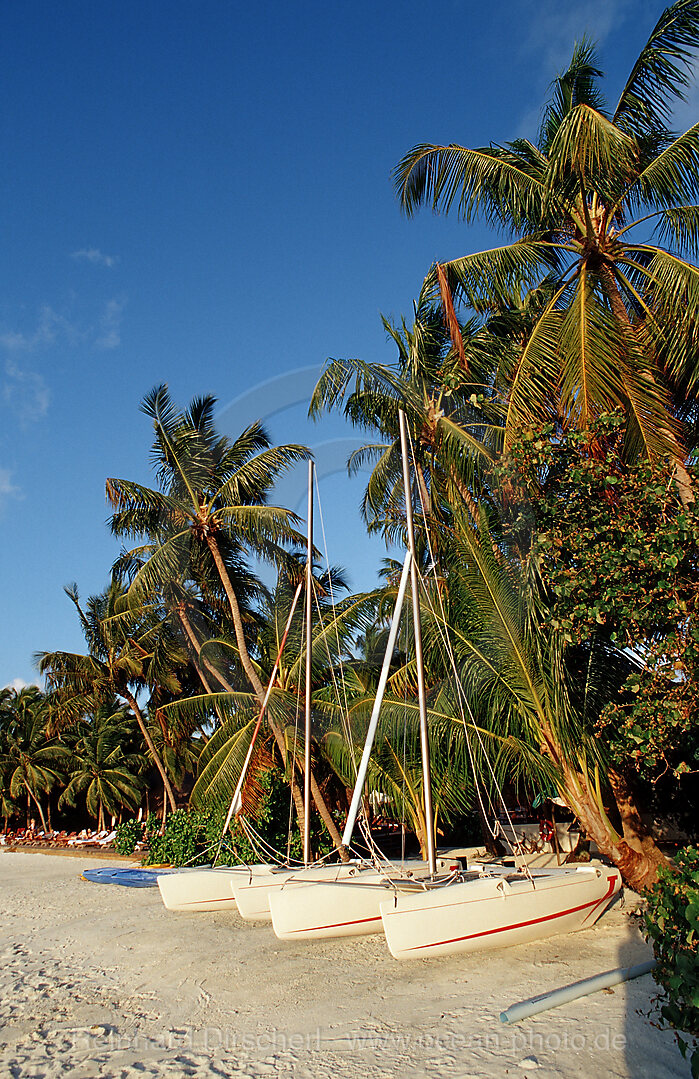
(128, 834)
(180, 842)
(672, 924)
(193, 836)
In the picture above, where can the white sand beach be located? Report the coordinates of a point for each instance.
(99, 980)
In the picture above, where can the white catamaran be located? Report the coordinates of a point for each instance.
(210, 888)
(430, 913)
(257, 889)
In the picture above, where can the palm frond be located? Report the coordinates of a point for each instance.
(499, 183)
(575, 86)
(661, 73)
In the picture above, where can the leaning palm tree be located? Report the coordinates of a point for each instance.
(335, 621)
(529, 701)
(602, 210)
(128, 651)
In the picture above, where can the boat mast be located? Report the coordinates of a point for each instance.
(417, 627)
(307, 734)
(376, 710)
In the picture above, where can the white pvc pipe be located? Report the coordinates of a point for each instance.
(376, 710)
(566, 993)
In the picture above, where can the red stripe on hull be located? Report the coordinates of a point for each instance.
(335, 925)
(223, 899)
(521, 925)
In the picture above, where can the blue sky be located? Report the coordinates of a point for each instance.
(200, 194)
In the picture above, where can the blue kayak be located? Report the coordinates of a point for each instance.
(128, 876)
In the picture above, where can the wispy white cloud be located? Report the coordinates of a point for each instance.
(95, 256)
(109, 329)
(102, 331)
(50, 325)
(16, 684)
(25, 392)
(7, 488)
(555, 26)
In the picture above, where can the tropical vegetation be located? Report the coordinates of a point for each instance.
(551, 392)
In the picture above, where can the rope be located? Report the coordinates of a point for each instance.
(345, 714)
(239, 786)
(462, 697)
(405, 748)
(345, 718)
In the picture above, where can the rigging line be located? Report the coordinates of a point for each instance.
(462, 699)
(381, 860)
(345, 718)
(461, 694)
(441, 625)
(376, 855)
(236, 801)
(259, 844)
(257, 850)
(259, 841)
(226, 846)
(334, 610)
(314, 589)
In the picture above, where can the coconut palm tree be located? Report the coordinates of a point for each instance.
(128, 651)
(210, 508)
(32, 761)
(207, 516)
(602, 212)
(336, 620)
(100, 772)
(530, 700)
(454, 427)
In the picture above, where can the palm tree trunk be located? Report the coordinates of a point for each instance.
(198, 661)
(327, 819)
(31, 794)
(635, 832)
(196, 648)
(425, 499)
(257, 686)
(639, 868)
(131, 701)
(247, 663)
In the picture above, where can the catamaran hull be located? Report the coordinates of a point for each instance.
(252, 893)
(204, 889)
(343, 908)
(491, 913)
(321, 911)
